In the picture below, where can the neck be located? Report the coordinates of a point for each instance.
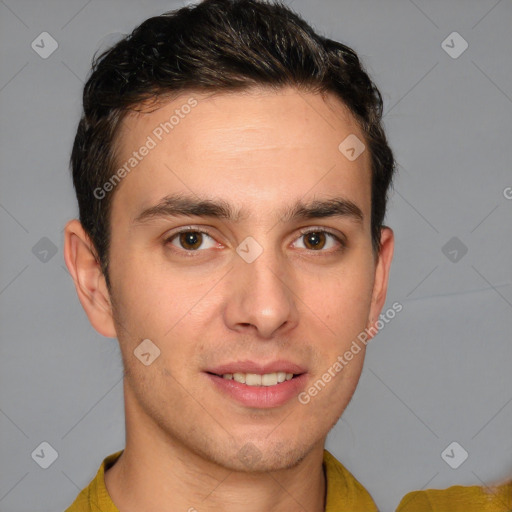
(149, 480)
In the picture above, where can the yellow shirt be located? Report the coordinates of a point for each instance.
(459, 499)
(344, 492)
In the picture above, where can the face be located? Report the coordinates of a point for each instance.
(241, 244)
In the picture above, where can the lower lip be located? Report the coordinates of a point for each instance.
(261, 397)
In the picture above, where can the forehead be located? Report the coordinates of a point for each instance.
(248, 147)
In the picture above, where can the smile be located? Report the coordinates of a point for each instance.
(259, 391)
(255, 379)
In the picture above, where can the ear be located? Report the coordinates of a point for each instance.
(380, 285)
(91, 287)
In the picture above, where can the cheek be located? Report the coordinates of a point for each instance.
(345, 298)
(150, 296)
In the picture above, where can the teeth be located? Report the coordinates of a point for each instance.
(269, 379)
(254, 379)
(239, 377)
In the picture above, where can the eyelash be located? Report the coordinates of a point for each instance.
(303, 232)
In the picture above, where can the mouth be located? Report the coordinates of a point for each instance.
(258, 386)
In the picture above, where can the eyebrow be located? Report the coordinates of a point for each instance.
(187, 206)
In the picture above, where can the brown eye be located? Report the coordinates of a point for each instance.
(191, 240)
(320, 241)
(314, 240)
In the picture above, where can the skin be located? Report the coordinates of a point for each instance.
(259, 151)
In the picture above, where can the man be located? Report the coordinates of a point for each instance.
(231, 173)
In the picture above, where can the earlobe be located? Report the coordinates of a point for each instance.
(90, 284)
(380, 286)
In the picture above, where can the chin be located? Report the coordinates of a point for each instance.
(252, 457)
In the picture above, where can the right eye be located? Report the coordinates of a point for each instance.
(191, 240)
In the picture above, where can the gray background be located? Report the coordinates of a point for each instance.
(438, 373)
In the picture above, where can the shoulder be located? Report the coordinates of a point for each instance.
(95, 496)
(343, 489)
(459, 499)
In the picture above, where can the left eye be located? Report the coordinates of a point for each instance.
(317, 240)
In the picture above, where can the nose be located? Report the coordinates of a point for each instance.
(261, 297)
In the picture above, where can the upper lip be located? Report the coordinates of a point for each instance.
(258, 368)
